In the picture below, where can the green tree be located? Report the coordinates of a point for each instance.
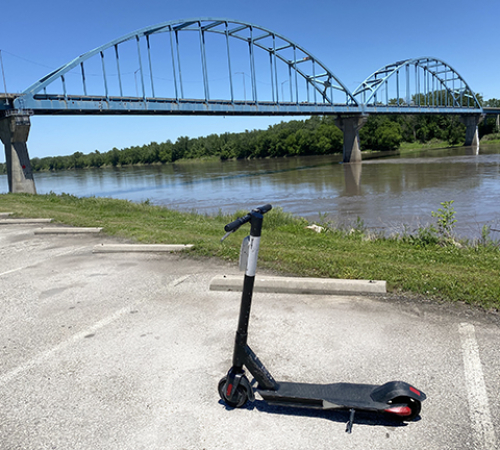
(96, 159)
(77, 161)
(380, 133)
(180, 148)
(388, 136)
(113, 156)
(492, 102)
(165, 152)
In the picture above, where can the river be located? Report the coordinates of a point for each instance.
(387, 193)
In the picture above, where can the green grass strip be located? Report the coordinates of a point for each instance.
(445, 272)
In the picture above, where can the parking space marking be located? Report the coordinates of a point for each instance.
(74, 250)
(178, 281)
(9, 376)
(13, 373)
(479, 410)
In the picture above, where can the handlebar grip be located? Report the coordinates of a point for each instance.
(264, 209)
(233, 226)
(237, 223)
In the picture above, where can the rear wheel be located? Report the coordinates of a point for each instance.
(237, 399)
(404, 408)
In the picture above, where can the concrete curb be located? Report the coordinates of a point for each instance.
(286, 285)
(120, 248)
(23, 221)
(67, 230)
(5, 214)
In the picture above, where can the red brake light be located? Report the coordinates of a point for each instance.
(415, 391)
(402, 411)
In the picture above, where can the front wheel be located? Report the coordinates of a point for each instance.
(234, 400)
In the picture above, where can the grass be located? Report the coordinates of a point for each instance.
(491, 139)
(201, 159)
(436, 269)
(432, 144)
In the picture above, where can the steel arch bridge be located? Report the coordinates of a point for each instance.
(417, 84)
(192, 67)
(209, 66)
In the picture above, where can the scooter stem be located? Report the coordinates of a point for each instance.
(248, 284)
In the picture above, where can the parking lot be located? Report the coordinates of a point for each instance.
(125, 350)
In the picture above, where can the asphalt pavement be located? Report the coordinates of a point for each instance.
(125, 351)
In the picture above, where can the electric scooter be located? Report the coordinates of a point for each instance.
(395, 399)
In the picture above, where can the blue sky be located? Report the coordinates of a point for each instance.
(352, 38)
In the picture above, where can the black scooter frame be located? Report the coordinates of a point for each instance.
(397, 399)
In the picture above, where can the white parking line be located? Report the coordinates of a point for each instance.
(482, 425)
(5, 378)
(178, 281)
(73, 250)
(12, 374)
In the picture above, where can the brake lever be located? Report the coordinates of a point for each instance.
(227, 234)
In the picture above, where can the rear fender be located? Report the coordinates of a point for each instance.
(394, 389)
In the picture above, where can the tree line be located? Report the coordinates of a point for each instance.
(314, 136)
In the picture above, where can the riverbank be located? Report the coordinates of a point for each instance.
(436, 144)
(491, 139)
(433, 144)
(405, 147)
(451, 272)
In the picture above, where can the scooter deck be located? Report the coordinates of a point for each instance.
(324, 396)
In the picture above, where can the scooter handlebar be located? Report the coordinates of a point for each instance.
(233, 226)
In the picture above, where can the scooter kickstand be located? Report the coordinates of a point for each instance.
(348, 428)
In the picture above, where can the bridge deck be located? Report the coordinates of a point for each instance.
(488, 110)
(98, 105)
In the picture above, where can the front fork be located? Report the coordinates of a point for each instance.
(236, 378)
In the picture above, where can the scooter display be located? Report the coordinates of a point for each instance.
(395, 399)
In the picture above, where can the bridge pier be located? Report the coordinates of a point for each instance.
(471, 123)
(14, 132)
(350, 126)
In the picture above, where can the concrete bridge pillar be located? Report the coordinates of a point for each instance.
(471, 123)
(350, 126)
(14, 132)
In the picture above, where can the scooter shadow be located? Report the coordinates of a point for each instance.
(340, 416)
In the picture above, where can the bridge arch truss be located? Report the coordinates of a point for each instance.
(196, 66)
(417, 85)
